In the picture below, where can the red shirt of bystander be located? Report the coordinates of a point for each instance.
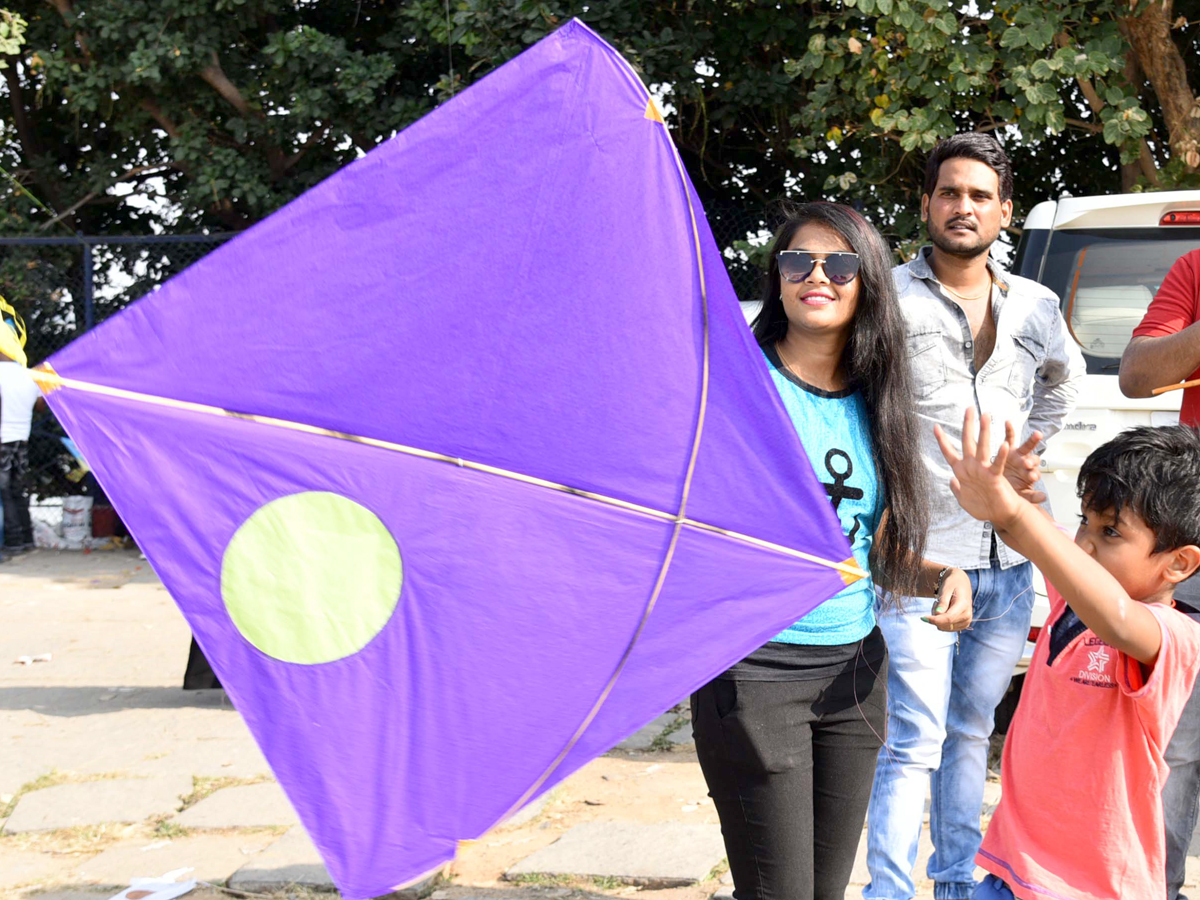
(1174, 308)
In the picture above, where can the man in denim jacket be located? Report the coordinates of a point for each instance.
(978, 337)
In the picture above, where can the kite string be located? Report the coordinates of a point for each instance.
(957, 638)
(679, 519)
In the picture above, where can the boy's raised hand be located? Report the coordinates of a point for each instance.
(978, 482)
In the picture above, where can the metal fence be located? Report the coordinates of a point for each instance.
(62, 286)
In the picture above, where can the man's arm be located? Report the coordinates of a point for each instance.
(1150, 362)
(1057, 382)
(1096, 596)
(1173, 353)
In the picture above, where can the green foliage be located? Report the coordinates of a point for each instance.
(12, 34)
(223, 111)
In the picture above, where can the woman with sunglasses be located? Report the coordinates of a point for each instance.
(788, 737)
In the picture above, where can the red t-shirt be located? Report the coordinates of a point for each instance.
(1174, 308)
(1080, 812)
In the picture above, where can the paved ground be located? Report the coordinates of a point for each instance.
(109, 771)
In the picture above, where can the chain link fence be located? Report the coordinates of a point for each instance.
(64, 286)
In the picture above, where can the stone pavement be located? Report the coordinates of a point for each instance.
(109, 771)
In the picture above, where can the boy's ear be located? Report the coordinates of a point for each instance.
(1184, 561)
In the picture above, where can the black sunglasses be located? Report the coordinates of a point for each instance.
(796, 265)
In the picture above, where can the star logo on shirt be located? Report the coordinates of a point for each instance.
(1098, 660)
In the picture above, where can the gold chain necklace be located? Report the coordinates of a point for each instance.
(964, 298)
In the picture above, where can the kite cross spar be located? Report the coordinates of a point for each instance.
(448, 460)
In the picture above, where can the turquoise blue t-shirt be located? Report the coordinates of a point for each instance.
(836, 434)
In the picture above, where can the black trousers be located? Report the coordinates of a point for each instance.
(199, 674)
(14, 471)
(789, 765)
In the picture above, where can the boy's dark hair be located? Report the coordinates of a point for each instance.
(1153, 471)
(971, 145)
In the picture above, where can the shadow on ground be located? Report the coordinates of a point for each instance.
(99, 569)
(92, 701)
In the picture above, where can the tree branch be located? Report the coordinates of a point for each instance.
(1146, 161)
(20, 120)
(215, 77)
(66, 9)
(92, 195)
(1149, 34)
(160, 117)
(25, 135)
(313, 139)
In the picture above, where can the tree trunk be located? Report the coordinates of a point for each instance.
(1150, 36)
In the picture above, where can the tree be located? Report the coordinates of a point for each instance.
(226, 110)
(222, 111)
(843, 99)
(1043, 76)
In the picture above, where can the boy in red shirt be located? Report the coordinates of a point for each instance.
(1080, 814)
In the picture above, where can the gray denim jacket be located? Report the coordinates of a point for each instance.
(1031, 379)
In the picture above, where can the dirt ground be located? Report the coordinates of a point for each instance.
(108, 704)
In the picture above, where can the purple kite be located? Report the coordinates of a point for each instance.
(463, 466)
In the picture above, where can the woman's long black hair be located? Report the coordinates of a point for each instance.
(875, 362)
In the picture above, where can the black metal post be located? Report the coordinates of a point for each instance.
(89, 313)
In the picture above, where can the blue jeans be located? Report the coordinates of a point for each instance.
(942, 694)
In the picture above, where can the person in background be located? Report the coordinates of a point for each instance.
(1165, 347)
(1164, 350)
(979, 339)
(18, 396)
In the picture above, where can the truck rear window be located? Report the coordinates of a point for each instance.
(1106, 279)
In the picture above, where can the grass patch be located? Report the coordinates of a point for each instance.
(76, 841)
(604, 883)
(205, 786)
(718, 870)
(578, 882)
(168, 829)
(662, 741)
(540, 879)
(53, 778)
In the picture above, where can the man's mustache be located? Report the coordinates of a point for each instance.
(966, 222)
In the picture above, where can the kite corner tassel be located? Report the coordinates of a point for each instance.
(46, 378)
(850, 571)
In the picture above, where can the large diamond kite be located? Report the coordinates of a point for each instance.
(463, 466)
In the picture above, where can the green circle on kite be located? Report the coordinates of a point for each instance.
(311, 577)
